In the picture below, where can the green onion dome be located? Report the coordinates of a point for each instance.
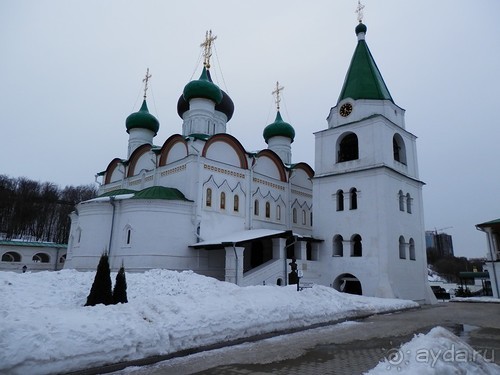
(226, 105)
(142, 120)
(279, 128)
(361, 28)
(202, 88)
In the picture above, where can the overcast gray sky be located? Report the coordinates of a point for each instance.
(71, 72)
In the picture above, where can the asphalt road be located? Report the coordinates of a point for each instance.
(346, 348)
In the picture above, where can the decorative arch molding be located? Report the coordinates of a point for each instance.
(305, 167)
(211, 181)
(170, 143)
(304, 204)
(276, 160)
(135, 157)
(232, 142)
(111, 168)
(258, 194)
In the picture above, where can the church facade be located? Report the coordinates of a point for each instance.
(202, 202)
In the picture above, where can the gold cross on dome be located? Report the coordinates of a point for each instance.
(207, 48)
(146, 80)
(277, 92)
(359, 11)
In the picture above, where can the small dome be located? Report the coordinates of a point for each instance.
(226, 105)
(142, 120)
(279, 128)
(202, 88)
(361, 28)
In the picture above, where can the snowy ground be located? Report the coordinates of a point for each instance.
(44, 327)
(438, 352)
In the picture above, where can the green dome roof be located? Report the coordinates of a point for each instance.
(361, 28)
(202, 88)
(279, 128)
(142, 120)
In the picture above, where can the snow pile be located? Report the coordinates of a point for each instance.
(433, 276)
(438, 352)
(44, 327)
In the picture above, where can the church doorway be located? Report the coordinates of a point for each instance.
(348, 283)
(257, 253)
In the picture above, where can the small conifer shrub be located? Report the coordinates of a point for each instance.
(101, 288)
(120, 290)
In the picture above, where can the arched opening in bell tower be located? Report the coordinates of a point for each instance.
(348, 283)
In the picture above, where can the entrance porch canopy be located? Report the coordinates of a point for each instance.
(237, 238)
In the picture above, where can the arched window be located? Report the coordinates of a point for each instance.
(256, 208)
(41, 258)
(236, 203)
(408, 203)
(278, 212)
(340, 200)
(268, 210)
(399, 149)
(412, 249)
(128, 236)
(79, 235)
(311, 219)
(11, 256)
(402, 248)
(353, 195)
(338, 246)
(356, 246)
(294, 216)
(62, 258)
(222, 201)
(303, 217)
(348, 148)
(208, 198)
(401, 201)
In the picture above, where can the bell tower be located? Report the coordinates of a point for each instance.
(367, 191)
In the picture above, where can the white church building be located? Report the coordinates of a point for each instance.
(202, 202)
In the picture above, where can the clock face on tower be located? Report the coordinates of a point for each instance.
(345, 109)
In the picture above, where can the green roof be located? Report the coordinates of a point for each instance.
(279, 128)
(363, 79)
(33, 243)
(118, 192)
(160, 192)
(489, 223)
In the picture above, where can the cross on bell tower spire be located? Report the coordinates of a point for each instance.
(359, 11)
(146, 80)
(276, 93)
(207, 48)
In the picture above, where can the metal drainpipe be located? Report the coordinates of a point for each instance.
(57, 259)
(286, 247)
(112, 201)
(236, 260)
